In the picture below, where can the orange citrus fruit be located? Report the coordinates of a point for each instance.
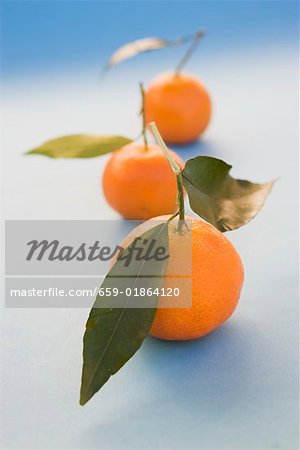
(216, 274)
(179, 105)
(139, 183)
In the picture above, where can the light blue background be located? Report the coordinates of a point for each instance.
(236, 388)
(50, 35)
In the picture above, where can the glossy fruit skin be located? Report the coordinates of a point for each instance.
(139, 183)
(217, 280)
(179, 105)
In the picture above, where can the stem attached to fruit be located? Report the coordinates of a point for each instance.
(143, 116)
(174, 166)
(180, 201)
(177, 171)
(197, 37)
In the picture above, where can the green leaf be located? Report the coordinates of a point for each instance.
(80, 146)
(131, 49)
(223, 201)
(116, 327)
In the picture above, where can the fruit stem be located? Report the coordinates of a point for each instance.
(173, 216)
(173, 164)
(177, 171)
(143, 116)
(197, 37)
(180, 201)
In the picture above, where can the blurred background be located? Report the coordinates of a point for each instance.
(238, 387)
(52, 57)
(43, 37)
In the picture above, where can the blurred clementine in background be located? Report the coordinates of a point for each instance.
(179, 105)
(139, 183)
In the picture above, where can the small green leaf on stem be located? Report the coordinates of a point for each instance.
(134, 48)
(80, 146)
(144, 130)
(173, 164)
(131, 49)
(225, 202)
(116, 328)
(176, 170)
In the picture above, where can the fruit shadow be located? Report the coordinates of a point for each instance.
(200, 147)
(203, 381)
(213, 373)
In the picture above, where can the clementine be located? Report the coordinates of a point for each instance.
(217, 278)
(179, 105)
(139, 183)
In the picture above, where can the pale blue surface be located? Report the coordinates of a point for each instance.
(234, 389)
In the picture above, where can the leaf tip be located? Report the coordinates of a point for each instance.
(82, 401)
(84, 396)
(30, 152)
